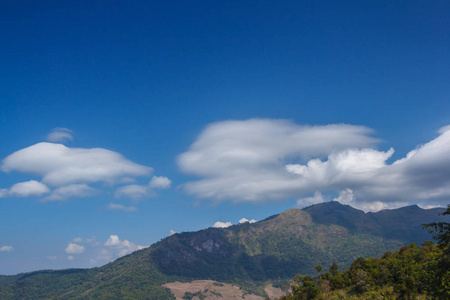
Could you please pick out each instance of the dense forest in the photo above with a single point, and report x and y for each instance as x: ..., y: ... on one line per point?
x: 412, y: 272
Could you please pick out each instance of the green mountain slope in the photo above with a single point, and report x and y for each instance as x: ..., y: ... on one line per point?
x: 274, y: 249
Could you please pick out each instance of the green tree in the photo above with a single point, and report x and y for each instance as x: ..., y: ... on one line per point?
x: 439, y: 271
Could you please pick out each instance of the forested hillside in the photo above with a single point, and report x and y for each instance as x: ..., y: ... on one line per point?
x: 247, y: 255
x: 411, y: 272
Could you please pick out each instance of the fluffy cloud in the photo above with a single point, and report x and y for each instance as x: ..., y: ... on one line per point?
x: 160, y: 182
x: 222, y: 224
x: 122, y: 247
x: 71, y: 171
x: 260, y: 160
x: 172, y: 232
x: 59, y: 165
x: 317, y: 198
x: 113, y: 206
x: 28, y: 188
x: 60, y: 134
x: 244, y: 220
x: 73, y: 248
x: 6, y: 248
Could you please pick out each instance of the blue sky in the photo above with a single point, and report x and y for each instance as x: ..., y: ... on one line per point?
x: 121, y: 122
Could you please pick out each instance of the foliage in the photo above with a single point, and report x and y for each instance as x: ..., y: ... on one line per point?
x: 412, y: 272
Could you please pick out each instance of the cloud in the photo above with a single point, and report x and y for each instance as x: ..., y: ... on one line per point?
x: 60, y: 165
x: 113, y: 206
x: 160, y: 182
x: 244, y: 220
x: 70, y: 257
x: 73, y: 248
x: 134, y: 191
x: 6, y: 248
x: 121, y: 247
x: 28, y: 188
x: 222, y: 224
x: 262, y: 160
x: 3, y: 192
x: 71, y: 190
x: 113, y: 241
x: 307, y: 201
x: 172, y: 232
x: 52, y: 257
x: 77, y: 240
x: 60, y: 134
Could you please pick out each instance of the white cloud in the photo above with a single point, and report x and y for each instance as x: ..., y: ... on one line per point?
x: 134, y: 191
x: 60, y: 165
x: 113, y: 206
x: 345, y: 196
x: 307, y: 201
x: 73, y: 248
x: 28, y: 188
x: 6, y: 248
x: 77, y: 240
x: 260, y: 160
x: 71, y: 190
x: 172, y: 232
x: 244, y: 160
x: 160, y: 182
x: 70, y: 257
x: 244, y: 220
x: 60, y: 134
x: 222, y: 224
x: 121, y: 247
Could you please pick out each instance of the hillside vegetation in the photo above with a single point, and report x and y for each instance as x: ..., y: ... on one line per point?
x: 409, y: 273
x: 248, y: 255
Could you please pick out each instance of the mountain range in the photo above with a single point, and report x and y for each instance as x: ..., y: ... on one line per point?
x: 247, y: 255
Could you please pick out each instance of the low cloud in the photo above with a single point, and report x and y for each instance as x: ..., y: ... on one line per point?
x: 73, y: 248
x: 6, y: 248
x: 222, y: 224
x: 172, y: 232
x: 120, y: 247
x: 262, y: 160
x: 60, y: 135
x: 244, y: 220
x: 113, y: 206
x: 307, y: 201
x: 28, y: 188
x: 160, y: 182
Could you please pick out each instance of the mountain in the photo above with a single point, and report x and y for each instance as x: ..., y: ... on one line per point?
x: 248, y: 255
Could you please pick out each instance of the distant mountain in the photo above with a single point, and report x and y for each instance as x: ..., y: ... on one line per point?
x: 248, y: 255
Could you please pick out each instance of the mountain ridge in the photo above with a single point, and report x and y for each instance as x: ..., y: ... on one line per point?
x: 272, y: 250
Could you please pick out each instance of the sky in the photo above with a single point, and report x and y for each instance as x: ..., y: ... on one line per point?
x: 123, y: 122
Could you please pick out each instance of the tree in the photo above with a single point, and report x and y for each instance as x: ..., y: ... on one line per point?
x: 440, y: 271
x: 440, y: 230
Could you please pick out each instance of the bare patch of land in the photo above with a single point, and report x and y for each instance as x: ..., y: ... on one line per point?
x: 273, y: 292
x: 208, y: 289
